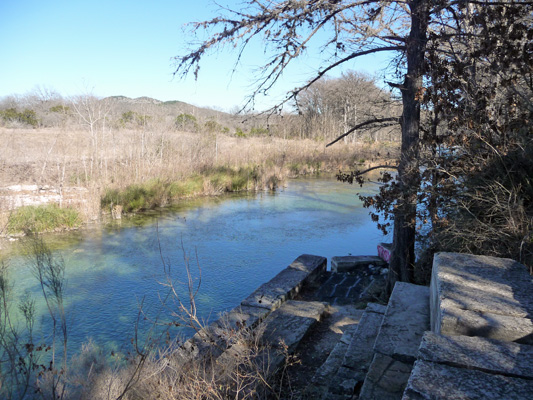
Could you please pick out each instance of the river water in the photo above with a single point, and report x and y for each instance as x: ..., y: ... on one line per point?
x: 239, y: 242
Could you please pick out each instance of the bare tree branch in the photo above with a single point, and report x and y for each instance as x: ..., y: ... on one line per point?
x: 369, y: 122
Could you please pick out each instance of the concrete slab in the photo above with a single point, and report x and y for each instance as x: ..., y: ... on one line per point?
x: 288, y: 324
x: 481, y: 296
x: 243, y: 317
x: 313, y: 265
x: 386, y: 379
x: 282, y: 287
x: 325, y: 375
x: 287, y: 283
x: 505, y: 358
x: 359, y: 353
x: 404, y: 323
x: 438, y: 381
x: 354, y: 263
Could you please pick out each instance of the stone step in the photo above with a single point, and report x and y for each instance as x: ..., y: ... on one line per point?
x: 354, y: 263
x: 471, y: 367
x: 317, y: 345
x: 348, y: 363
x: 481, y: 296
x: 278, y: 335
x: 487, y: 355
x: 440, y: 381
x: 356, y: 362
x: 396, y: 347
x: 324, y: 375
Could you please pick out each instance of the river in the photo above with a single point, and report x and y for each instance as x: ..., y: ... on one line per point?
x: 238, y: 241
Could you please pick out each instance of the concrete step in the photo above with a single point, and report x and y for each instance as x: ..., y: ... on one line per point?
x: 348, y: 362
x: 355, y: 263
x: 321, y: 343
x: 396, y: 347
x: 358, y: 356
x: 325, y: 374
x: 471, y: 367
x: 278, y: 336
x: 481, y: 296
x: 211, y: 341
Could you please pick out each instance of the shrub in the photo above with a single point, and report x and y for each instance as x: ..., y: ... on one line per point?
x: 186, y: 122
x: 44, y: 218
x: 28, y: 117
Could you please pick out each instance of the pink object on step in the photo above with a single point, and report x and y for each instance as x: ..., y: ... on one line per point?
x: 384, y: 252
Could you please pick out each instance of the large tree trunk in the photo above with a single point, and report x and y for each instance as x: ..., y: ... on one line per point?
x: 403, y: 253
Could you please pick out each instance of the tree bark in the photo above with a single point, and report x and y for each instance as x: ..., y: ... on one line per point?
x: 403, y: 252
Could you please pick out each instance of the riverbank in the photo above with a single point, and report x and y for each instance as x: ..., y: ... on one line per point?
x: 131, y: 173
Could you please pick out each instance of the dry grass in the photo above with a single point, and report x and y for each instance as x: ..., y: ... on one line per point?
x: 118, y: 158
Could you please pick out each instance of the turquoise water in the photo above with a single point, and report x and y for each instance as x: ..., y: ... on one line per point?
x: 239, y: 242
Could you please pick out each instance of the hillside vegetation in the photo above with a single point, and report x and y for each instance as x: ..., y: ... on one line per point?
x: 136, y: 154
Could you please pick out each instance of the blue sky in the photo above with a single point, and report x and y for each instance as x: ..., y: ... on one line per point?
x: 118, y: 47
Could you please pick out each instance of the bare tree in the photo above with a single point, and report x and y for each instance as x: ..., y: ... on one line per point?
x: 92, y: 112
x: 331, y: 105
x: 354, y: 29
x: 349, y: 30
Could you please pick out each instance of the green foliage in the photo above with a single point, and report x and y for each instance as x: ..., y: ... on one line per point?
x: 60, y: 109
x: 9, y: 115
x: 45, y: 218
x: 239, y: 133
x: 28, y: 117
x: 158, y: 193
x: 186, y: 122
x: 213, y: 126
x: 128, y: 116
x: 151, y: 194
x: 134, y: 118
x: 259, y: 132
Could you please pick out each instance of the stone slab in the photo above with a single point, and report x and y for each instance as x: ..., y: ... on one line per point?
x: 287, y: 283
x: 386, y: 379
x: 359, y: 352
x: 353, y: 263
x: 243, y: 317
x: 438, y: 381
x: 404, y: 323
x: 505, y: 358
x: 278, y: 335
x: 325, y: 373
x: 282, y: 287
x: 487, y: 292
x: 288, y: 324
x: 500, y: 327
x: 313, y: 265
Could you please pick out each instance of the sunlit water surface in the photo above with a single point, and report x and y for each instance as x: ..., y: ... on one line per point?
x: 240, y: 243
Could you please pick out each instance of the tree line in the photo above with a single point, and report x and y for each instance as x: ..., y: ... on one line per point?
x: 317, y: 113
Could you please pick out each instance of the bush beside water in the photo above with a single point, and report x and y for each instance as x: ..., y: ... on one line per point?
x: 157, y: 193
x: 44, y: 218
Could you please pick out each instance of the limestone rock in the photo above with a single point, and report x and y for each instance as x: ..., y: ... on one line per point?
x: 386, y: 379
x: 481, y: 296
x: 505, y: 358
x: 354, y: 263
x: 404, y: 323
x: 437, y: 381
